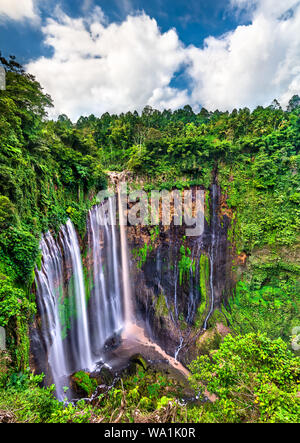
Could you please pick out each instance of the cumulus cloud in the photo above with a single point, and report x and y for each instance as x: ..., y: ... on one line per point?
x: 99, y: 66
x: 252, y: 64
x: 18, y: 10
x: 273, y: 8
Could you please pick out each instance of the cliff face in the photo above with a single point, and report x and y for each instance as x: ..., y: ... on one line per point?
x: 180, y: 282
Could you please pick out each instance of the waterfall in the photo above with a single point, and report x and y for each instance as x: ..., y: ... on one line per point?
x: 81, y: 338
x: 106, y: 307
x: 132, y: 330
x: 176, y: 276
x: 86, y: 300
x: 78, y: 317
x: 213, y: 250
x: 125, y: 263
x: 178, y: 349
x: 49, y: 282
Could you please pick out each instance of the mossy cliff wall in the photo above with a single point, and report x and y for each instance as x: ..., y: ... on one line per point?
x: 171, y: 278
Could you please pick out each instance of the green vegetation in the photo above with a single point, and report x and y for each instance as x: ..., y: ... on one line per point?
x: 252, y: 378
x: 273, y: 310
x: 85, y: 382
x: 141, y: 254
x: 23, y: 401
x: 51, y: 171
x: 185, y: 264
x: 161, y: 308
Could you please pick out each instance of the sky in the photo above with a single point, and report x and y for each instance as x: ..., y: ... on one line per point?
x: 96, y: 56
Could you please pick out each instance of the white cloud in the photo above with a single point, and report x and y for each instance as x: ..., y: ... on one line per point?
x: 117, y: 67
x: 269, y: 8
x: 86, y: 5
x: 126, y: 6
x: 18, y: 10
x: 253, y: 64
x: 98, y: 67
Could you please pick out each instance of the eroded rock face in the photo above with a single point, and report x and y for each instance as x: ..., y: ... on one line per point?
x: 38, y: 356
x: 178, y: 283
x: 172, y: 298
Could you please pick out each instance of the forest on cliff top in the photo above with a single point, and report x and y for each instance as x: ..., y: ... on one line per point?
x: 52, y: 170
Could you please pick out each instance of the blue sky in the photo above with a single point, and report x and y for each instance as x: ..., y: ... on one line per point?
x: 119, y: 55
x: 194, y: 21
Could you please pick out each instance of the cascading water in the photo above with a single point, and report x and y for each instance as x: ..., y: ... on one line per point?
x: 80, y: 311
x: 178, y: 349
x: 125, y: 263
x: 176, y: 277
x: 132, y: 331
x: 49, y: 282
x: 106, y: 306
x: 75, y: 327
x: 213, y: 250
x: 80, y: 328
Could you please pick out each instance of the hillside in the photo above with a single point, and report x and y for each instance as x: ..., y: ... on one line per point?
x: 51, y: 171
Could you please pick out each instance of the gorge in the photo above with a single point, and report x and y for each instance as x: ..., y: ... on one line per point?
x: 87, y: 298
x: 141, y: 322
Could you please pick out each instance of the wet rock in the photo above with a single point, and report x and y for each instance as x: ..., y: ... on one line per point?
x: 166, y: 299
x: 113, y: 342
x: 106, y: 376
x: 137, y: 360
x: 210, y: 340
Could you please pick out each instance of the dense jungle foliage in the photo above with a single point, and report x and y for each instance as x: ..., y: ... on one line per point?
x: 253, y: 379
x: 52, y: 170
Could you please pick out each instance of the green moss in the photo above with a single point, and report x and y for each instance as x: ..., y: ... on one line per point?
x: 182, y: 322
x: 161, y: 308
x: 66, y: 312
x: 217, y: 317
x: 207, y: 206
x: 185, y: 264
x: 22, y: 349
x: 141, y: 254
x: 209, y: 342
x: 85, y: 382
x: 271, y: 309
x: 88, y: 283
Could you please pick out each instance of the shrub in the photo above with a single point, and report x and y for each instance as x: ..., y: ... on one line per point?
x: 7, y: 215
x: 254, y: 379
